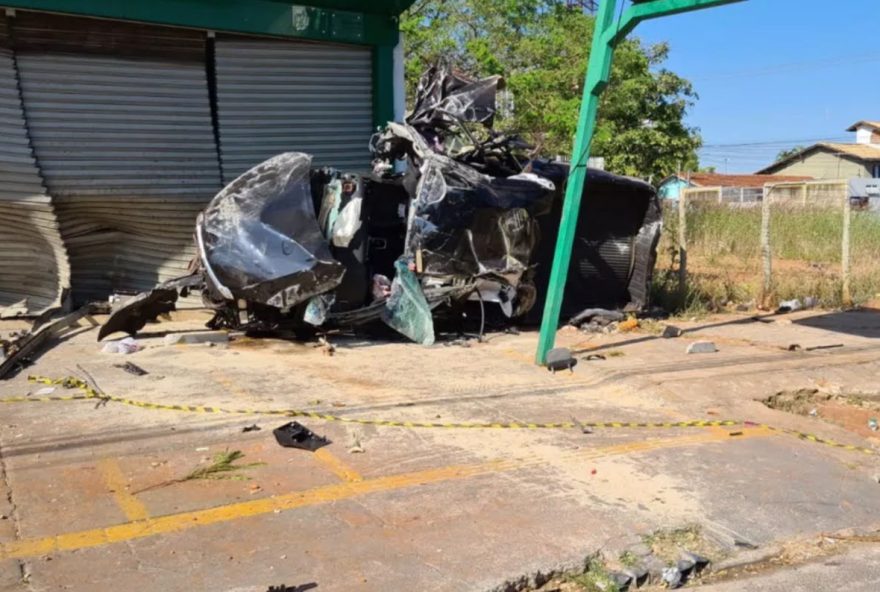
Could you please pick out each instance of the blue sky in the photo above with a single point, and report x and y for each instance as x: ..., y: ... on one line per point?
x: 773, y: 72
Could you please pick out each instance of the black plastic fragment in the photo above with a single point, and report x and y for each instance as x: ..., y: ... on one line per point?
x: 296, y: 435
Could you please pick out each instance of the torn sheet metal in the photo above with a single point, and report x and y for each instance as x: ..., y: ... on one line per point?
x: 261, y: 237
x: 467, y: 224
x: 445, y: 96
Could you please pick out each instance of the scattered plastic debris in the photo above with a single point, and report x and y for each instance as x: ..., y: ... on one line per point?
x: 872, y: 424
x: 44, y: 392
x: 296, y: 435
x: 126, y: 345
x: 789, y: 306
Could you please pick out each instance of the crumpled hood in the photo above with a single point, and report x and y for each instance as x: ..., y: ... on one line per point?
x: 259, y: 239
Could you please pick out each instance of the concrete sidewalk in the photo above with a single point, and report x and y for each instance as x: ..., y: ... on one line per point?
x: 95, y: 499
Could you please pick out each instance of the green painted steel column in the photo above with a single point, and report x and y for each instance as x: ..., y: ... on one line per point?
x: 601, y: 55
x: 383, y: 84
x: 607, y: 33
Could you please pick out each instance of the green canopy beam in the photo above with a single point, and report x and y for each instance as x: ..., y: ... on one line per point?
x: 608, y: 32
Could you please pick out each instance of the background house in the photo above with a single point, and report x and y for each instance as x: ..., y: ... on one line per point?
x: 745, y: 187
x: 827, y: 160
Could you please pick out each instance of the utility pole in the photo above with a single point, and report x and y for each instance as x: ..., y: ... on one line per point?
x: 610, y: 29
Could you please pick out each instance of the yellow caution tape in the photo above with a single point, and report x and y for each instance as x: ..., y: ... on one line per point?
x: 90, y: 393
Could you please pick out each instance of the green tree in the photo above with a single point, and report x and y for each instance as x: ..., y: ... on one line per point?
x: 783, y: 154
x: 541, y: 47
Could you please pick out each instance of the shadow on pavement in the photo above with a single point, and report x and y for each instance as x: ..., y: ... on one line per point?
x: 863, y: 323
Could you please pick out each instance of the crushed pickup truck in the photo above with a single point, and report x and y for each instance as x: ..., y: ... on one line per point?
x: 453, y: 212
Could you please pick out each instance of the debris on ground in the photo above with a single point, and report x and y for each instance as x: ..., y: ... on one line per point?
x: 671, y: 331
x: 327, y: 348
x: 296, y: 435
x: 126, y: 345
x: 702, y: 347
x: 251, y: 428
x: 222, y: 467
x: 789, y: 306
x: 356, y: 446
x: 630, y: 324
x: 131, y: 368
x: 16, y: 352
x: 560, y: 358
x: 597, y: 320
x: 821, y: 347
x: 466, y: 233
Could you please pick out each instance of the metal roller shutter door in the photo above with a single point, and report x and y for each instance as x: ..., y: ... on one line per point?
x: 33, y: 262
x: 278, y: 96
x: 121, y: 124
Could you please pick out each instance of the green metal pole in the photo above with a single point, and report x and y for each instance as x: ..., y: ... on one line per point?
x: 607, y: 33
x: 601, y: 55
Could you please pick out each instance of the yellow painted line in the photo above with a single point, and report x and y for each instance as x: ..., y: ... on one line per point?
x: 337, y: 466
x: 186, y: 520
x: 116, y: 483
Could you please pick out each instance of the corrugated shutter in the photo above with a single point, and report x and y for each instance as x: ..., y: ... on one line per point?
x: 33, y: 262
x: 123, y: 133
x: 278, y: 96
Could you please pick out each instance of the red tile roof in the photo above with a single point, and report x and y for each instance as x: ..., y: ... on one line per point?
x: 719, y: 180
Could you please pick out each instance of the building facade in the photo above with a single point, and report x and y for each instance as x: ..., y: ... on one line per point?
x: 119, y: 121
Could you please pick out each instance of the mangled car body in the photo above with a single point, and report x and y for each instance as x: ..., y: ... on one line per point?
x: 451, y: 213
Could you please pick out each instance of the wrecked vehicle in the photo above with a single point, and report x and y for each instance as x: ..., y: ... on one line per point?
x: 453, y: 213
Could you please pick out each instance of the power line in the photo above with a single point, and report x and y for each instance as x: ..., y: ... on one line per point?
x: 774, y: 142
x: 791, y: 67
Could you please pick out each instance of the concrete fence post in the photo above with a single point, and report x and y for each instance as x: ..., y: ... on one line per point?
x: 766, y: 253
x: 846, y: 295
